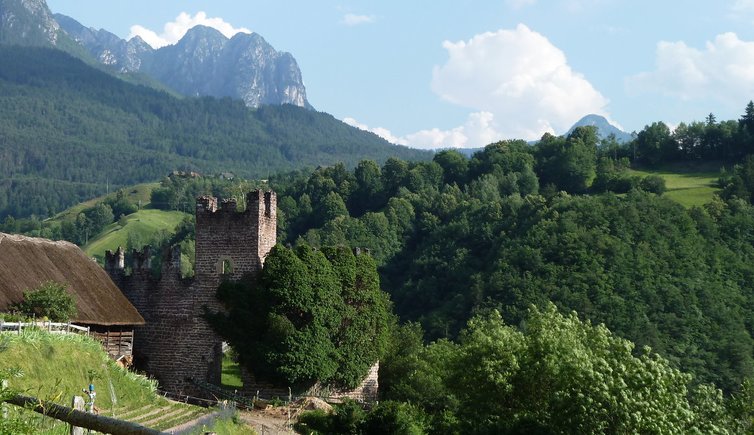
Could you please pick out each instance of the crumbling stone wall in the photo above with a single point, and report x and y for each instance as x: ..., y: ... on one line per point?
x: 176, y: 343
x: 366, y: 391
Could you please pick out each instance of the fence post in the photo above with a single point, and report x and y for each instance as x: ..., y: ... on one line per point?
x: 78, y: 404
x: 3, y: 406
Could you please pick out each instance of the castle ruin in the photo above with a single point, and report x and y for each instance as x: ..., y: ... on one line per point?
x: 177, y: 344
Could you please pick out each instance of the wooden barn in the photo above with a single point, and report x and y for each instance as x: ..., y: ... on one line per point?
x: 27, y: 262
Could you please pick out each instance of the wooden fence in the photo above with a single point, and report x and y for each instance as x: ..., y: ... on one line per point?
x: 52, y: 327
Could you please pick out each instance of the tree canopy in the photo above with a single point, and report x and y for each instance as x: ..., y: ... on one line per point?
x: 312, y: 315
x: 554, y: 374
x: 50, y: 300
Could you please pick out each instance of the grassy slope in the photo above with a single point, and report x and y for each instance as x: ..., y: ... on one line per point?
x: 144, y: 223
x: 138, y: 194
x: 690, y: 185
x: 57, y: 367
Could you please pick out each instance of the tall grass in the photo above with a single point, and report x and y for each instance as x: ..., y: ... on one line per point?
x: 58, y: 366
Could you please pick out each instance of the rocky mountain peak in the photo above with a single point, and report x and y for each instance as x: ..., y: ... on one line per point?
x: 27, y: 22
x: 199, y: 33
x: 202, y: 62
x: 604, y: 127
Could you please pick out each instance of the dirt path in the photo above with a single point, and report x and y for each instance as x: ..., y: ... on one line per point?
x: 265, y: 423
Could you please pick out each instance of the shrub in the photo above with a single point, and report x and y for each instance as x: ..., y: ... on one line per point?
x: 653, y: 183
x: 49, y: 300
x: 395, y: 418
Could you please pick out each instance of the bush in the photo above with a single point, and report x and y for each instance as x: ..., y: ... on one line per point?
x: 395, y: 418
x: 391, y: 418
x: 12, y: 317
x: 653, y: 184
x: 49, y: 300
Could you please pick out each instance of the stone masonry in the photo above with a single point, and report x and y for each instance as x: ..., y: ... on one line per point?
x: 177, y: 344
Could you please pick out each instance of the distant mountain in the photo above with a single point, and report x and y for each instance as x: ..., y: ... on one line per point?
x: 68, y: 130
x: 604, y: 128
x: 105, y: 47
x: 203, y: 62
x: 27, y: 22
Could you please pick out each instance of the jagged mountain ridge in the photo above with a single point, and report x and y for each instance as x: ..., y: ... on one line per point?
x: 107, y: 48
x: 27, y: 22
x: 203, y: 63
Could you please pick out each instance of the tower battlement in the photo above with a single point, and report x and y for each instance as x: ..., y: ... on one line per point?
x: 115, y: 262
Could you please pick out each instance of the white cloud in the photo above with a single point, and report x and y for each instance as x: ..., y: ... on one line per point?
x: 478, y: 130
x: 379, y: 131
x: 355, y: 20
x: 723, y: 70
x: 173, y: 31
x: 517, y: 82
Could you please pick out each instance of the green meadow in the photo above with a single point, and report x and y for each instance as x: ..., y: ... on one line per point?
x: 142, y: 224
x: 689, y: 185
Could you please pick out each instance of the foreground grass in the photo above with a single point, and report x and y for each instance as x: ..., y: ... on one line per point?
x: 60, y: 366
x: 690, y: 184
x: 142, y: 224
x: 57, y: 367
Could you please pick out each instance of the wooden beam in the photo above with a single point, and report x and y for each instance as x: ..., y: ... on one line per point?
x: 99, y: 423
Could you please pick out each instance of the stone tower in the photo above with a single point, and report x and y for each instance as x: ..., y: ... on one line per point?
x: 177, y: 345
x: 232, y: 244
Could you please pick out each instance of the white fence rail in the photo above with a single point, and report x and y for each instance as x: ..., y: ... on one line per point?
x: 53, y: 327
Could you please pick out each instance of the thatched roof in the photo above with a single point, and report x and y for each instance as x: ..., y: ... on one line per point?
x: 26, y: 262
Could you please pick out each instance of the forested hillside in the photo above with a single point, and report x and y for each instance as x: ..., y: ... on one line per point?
x: 455, y: 236
x: 68, y: 131
x: 502, y: 236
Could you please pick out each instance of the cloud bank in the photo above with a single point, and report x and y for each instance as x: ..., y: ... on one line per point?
x: 723, y: 70
x: 475, y: 132
x: 520, y: 78
x: 518, y: 85
x: 173, y: 31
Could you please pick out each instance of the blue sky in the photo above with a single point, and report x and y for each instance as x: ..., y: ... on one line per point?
x: 468, y: 72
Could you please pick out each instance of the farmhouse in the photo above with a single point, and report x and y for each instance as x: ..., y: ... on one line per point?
x: 27, y: 262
